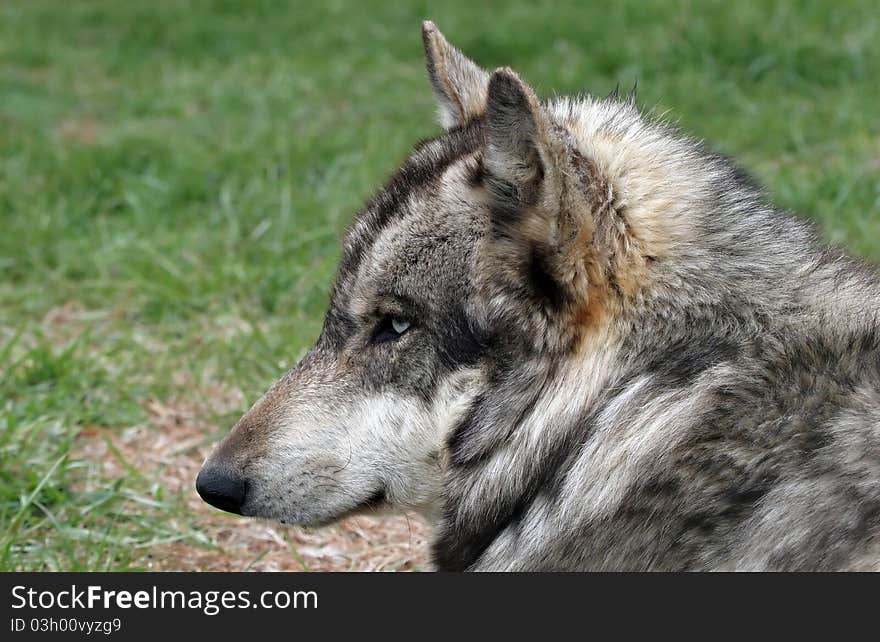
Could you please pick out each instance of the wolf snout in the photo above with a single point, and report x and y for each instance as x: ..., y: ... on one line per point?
x: 222, y: 488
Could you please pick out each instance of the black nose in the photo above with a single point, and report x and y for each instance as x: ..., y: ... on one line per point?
x: 221, y: 489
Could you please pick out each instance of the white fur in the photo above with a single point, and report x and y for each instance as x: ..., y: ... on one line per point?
x: 322, y: 462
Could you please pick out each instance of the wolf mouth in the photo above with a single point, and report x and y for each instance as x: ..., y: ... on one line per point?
x: 375, y: 500
x: 373, y: 503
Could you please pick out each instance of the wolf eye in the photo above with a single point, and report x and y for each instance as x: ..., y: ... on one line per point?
x: 390, y: 329
x: 399, y: 325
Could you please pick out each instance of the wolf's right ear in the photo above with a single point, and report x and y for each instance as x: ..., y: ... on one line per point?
x: 459, y: 84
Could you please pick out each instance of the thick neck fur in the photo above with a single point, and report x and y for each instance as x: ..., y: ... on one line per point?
x: 706, y: 264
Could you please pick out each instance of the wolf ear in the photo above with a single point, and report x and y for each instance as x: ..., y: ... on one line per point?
x: 459, y: 84
x: 551, y: 223
x: 519, y: 147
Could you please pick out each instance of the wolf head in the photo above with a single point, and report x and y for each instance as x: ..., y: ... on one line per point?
x: 498, y: 243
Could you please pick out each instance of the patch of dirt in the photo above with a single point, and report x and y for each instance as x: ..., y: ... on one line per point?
x: 170, y: 449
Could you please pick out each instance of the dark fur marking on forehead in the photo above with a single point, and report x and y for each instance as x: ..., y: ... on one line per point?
x: 421, y: 170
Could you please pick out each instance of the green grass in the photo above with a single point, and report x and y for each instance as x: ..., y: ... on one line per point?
x: 180, y: 171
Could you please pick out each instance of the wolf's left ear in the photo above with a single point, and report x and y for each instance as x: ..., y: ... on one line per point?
x: 459, y: 84
x: 547, y: 203
x: 530, y: 168
x: 519, y: 146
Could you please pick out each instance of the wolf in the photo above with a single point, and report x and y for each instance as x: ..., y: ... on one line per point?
x: 575, y: 338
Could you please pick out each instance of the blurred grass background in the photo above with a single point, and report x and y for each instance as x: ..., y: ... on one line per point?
x: 174, y: 177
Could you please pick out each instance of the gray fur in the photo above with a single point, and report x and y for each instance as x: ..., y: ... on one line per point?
x: 621, y: 355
